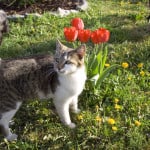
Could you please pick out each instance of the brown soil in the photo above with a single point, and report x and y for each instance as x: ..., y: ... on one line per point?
x: 40, y: 7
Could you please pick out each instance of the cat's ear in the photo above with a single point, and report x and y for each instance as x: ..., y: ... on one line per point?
x: 81, y: 51
x: 59, y: 49
x: 59, y: 45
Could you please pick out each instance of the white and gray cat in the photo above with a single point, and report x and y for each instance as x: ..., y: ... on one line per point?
x: 61, y: 78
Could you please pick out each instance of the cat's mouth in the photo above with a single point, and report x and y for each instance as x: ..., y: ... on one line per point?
x: 62, y: 71
x: 68, y: 69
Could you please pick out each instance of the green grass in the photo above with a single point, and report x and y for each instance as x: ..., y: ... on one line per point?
x: 37, y: 125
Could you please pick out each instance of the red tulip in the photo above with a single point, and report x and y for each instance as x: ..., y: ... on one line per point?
x: 100, y: 36
x: 71, y: 33
x: 84, y: 35
x: 105, y: 34
x: 78, y: 23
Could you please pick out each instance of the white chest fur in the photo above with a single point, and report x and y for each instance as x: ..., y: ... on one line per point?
x: 73, y: 83
x: 70, y: 85
x: 66, y: 95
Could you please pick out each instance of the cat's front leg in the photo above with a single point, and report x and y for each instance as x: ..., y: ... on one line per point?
x: 74, y: 105
x: 63, y: 112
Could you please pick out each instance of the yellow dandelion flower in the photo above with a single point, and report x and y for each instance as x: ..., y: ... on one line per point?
x: 146, y: 104
x: 137, y: 123
x: 33, y: 29
x: 80, y: 117
x: 98, y: 119
x: 125, y: 65
x: 117, y: 107
x: 140, y: 65
x: 107, y: 65
x: 122, y: 3
x: 114, y: 128
x: 116, y: 100
x: 111, y: 121
x: 142, y: 73
x: 129, y: 78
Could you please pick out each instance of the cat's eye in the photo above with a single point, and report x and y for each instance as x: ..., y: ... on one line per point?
x: 57, y: 60
x: 68, y: 62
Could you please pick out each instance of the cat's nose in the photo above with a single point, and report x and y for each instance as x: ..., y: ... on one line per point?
x: 60, y: 67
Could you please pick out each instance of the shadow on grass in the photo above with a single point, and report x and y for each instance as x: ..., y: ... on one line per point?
x: 124, y: 28
x: 24, y: 49
x: 132, y: 34
x: 118, y: 20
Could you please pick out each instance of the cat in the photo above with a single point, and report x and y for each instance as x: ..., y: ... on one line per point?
x: 60, y: 77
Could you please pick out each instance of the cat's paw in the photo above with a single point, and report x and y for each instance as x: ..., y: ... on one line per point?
x: 12, y: 137
x: 72, y: 125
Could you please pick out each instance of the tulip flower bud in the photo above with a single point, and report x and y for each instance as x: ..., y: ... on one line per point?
x: 77, y: 23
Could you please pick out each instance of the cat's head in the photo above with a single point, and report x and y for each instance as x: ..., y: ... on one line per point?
x: 68, y: 60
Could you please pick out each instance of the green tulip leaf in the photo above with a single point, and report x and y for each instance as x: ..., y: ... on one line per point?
x: 105, y: 74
